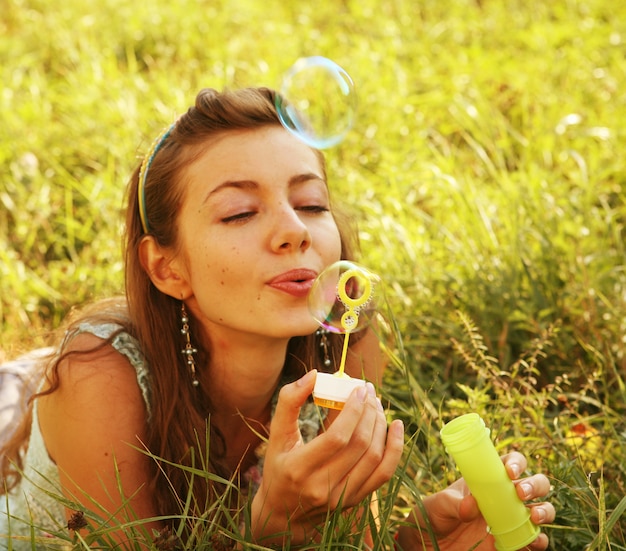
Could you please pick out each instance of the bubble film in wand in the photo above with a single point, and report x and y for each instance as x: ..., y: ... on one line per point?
x: 341, y: 301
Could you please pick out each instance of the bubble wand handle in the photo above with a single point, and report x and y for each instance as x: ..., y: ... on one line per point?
x: 467, y: 440
x: 344, y: 355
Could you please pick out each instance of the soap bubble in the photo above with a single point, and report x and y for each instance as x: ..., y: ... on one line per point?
x: 317, y: 101
x: 342, y: 297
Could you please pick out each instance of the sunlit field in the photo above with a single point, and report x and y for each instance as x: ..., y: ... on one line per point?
x: 485, y: 174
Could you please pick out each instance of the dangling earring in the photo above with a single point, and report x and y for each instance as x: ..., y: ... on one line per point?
x: 322, y: 334
x: 189, y: 350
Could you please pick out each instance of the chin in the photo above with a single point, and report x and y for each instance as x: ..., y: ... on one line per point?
x: 303, y: 329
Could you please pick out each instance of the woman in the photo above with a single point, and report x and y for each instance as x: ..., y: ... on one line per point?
x: 229, y: 222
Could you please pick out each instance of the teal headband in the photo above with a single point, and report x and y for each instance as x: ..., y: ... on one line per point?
x: 143, y: 174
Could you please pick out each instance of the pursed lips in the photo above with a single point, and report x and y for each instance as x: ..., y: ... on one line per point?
x: 294, y: 282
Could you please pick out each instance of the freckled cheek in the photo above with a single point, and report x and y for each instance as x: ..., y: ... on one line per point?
x: 229, y: 275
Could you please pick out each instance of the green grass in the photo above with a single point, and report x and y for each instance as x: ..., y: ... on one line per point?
x: 486, y: 169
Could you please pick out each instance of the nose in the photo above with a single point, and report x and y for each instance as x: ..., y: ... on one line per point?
x: 290, y: 233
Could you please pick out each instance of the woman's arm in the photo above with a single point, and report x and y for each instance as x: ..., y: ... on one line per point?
x: 89, y: 425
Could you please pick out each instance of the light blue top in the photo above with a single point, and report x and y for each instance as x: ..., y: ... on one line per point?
x: 32, y: 511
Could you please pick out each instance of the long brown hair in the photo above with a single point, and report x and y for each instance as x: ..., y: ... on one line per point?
x: 179, y: 411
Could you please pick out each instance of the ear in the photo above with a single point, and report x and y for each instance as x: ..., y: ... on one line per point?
x: 164, y: 269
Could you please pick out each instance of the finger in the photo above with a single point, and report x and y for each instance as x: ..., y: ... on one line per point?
x: 367, y: 439
x: 338, y: 436
x: 317, y: 467
x: 386, y: 466
x: 368, y: 460
x: 542, y: 513
x: 540, y: 544
x: 315, y: 459
x: 515, y: 464
x: 284, y: 429
x: 532, y: 487
x: 370, y: 439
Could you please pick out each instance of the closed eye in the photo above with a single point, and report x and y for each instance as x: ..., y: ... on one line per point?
x: 313, y: 208
x: 247, y: 215
x: 239, y: 217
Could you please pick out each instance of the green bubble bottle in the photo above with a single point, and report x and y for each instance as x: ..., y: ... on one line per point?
x: 466, y: 439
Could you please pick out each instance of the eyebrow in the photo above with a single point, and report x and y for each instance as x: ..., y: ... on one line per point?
x: 253, y: 184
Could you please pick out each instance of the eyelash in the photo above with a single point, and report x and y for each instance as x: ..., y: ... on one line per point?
x: 237, y: 217
x: 243, y: 216
x: 314, y: 208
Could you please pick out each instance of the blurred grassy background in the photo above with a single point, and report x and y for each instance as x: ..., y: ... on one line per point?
x: 486, y: 170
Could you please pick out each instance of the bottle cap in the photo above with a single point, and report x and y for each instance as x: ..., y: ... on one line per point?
x: 332, y: 390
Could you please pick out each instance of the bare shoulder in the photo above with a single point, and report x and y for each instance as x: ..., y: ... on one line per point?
x: 93, y: 375
x: 91, y: 362
x: 98, y: 402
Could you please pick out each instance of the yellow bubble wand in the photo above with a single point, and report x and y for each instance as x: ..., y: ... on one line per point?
x: 350, y: 318
x: 339, y: 298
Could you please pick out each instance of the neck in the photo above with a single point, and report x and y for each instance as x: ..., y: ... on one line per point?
x: 243, y: 379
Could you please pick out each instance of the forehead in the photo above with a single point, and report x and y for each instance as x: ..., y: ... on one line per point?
x: 265, y: 150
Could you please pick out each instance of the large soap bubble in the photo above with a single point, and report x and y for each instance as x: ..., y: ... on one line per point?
x: 317, y: 101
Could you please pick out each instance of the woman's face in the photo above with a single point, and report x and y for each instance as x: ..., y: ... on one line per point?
x: 255, y: 230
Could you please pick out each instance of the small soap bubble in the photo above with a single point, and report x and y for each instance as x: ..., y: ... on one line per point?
x: 342, y: 297
x: 317, y: 101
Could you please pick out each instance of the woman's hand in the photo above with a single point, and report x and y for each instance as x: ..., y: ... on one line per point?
x: 457, y: 523
x: 339, y: 468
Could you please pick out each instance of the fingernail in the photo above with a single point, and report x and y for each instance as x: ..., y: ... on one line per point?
x: 515, y: 470
x: 379, y: 405
x: 362, y: 393
x: 398, y: 428
x: 305, y: 379
x: 370, y: 389
x: 527, y: 489
x: 540, y: 514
